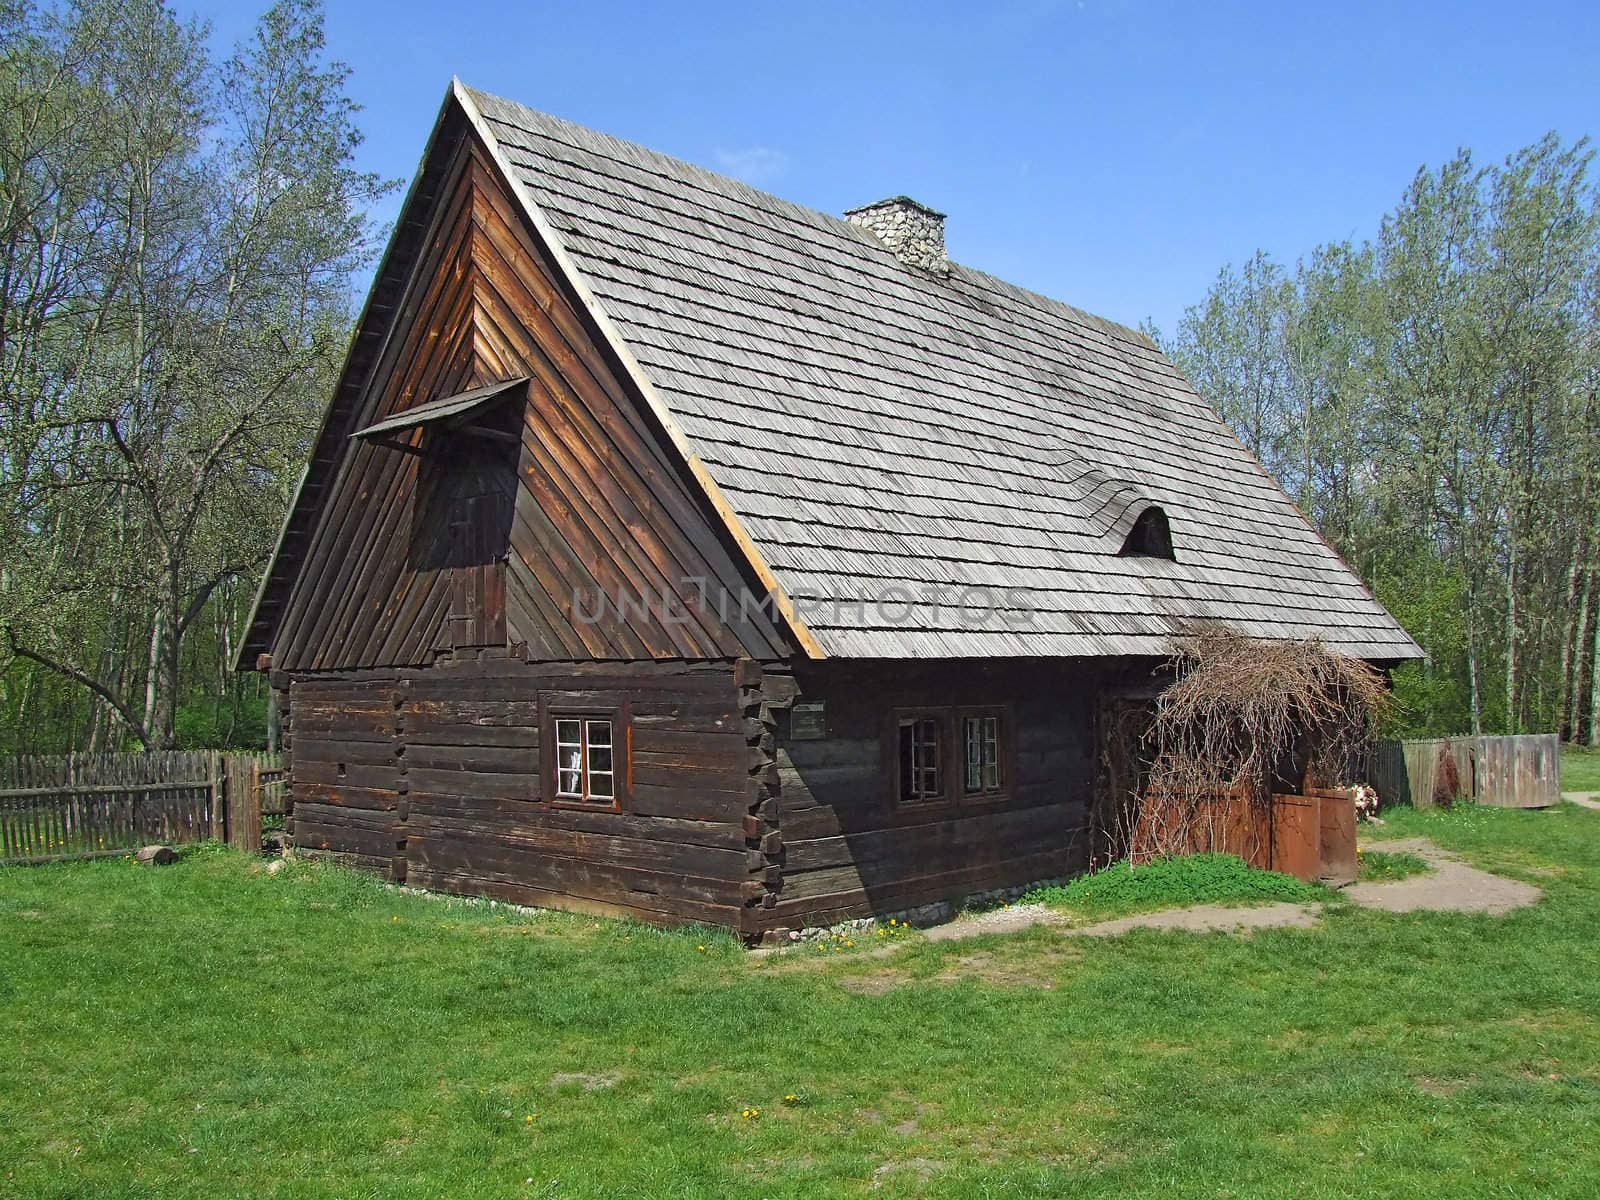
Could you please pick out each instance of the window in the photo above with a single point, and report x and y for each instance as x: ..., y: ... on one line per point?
x: 588, y: 758
x: 949, y: 755
x: 981, y: 736
x: 921, y: 759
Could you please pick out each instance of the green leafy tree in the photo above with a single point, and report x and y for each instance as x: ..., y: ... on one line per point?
x: 180, y: 237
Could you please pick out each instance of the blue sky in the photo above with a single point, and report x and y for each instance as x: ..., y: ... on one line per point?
x: 1111, y: 154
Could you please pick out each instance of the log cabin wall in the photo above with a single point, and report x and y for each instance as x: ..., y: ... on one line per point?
x: 439, y: 778
x: 851, y: 848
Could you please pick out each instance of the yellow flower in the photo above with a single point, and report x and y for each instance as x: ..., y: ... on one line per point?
x: 529, y: 1118
x: 702, y: 949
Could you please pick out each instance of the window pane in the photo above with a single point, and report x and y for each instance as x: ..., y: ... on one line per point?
x: 567, y: 782
x: 567, y: 732
x: 567, y: 757
x: 991, y: 776
x: 921, y: 757
x: 601, y: 784
x: 908, y: 782
x: 930, y: 758
x: 599, y: 758
x: 599, y: 733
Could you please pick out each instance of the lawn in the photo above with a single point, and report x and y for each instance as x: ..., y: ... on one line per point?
x: 209, y: 1030
x: 1580, y: 769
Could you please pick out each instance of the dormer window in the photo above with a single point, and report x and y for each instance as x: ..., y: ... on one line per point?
x: 1150, y: 537
x: 462, y: 507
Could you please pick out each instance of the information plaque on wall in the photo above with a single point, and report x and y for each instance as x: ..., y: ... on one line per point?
x: 808, y: 723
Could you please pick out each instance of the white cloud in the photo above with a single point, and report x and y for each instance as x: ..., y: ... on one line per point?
x: 756, y: 164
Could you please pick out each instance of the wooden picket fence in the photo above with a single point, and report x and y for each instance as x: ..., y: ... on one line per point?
x: 1507, y: 772
x: 89, y: 805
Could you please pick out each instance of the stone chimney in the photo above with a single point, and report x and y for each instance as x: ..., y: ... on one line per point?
x: 913, y: 232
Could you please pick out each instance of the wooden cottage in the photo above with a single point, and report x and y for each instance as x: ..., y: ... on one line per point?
x: 673, y: 550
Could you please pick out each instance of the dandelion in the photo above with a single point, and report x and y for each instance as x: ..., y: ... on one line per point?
x: 529, y: 1118
x: 702, y: 949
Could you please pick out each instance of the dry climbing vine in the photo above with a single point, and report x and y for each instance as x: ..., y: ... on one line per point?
x: 1243, y: 718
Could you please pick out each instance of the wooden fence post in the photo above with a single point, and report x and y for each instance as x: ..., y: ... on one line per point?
x: 219, y: 824
x: 244, y: 802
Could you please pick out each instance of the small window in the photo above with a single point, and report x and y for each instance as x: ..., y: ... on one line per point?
x: 921, y: 759
x: 586, y: 761
x: 1150, y: 537
x: 948, y: 755
x: 981, y: 737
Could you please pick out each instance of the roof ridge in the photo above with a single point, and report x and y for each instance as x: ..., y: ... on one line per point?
x: 837, y: 221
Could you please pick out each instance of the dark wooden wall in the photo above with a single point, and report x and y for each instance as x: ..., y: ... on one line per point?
x: 435, y: 777
x: 849, y: 849
x: 603, y: 507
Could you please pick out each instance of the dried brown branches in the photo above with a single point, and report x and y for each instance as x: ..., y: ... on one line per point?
x: 1243, y: 719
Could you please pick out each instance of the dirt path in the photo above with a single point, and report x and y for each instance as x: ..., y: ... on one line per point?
x: 1452, y: 887
x: 1583, y: 799
x: 1210, y: 918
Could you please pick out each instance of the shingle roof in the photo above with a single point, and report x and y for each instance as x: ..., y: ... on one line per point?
x: 879, y: 431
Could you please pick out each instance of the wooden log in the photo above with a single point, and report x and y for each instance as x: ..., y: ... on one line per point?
x: 156, y: 856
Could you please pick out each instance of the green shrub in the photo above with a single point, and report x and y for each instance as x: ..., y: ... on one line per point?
x: 1169, y: 882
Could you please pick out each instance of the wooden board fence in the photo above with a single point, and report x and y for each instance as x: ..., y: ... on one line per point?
x: 85, y: 806
x: 1505, y: 772
x: 1519, y: 772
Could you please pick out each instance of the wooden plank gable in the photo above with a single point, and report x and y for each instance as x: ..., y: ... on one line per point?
x: 608, y: 552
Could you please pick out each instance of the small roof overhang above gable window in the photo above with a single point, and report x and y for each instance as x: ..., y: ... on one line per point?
x: 451, y: 412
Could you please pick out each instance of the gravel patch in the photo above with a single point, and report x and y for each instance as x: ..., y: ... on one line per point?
x: 1210, y: 918
x: 996, y: 920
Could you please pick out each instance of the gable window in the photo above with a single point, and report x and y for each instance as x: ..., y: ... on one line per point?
x: 588, y: 756
x: 984, y: 774
x: 922, y: 749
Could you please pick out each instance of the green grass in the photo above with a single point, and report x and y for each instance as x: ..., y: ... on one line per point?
x: 1580, y: 769
x: 1384, y: 866
x: 207, y: 1030
x: 1171, y: 882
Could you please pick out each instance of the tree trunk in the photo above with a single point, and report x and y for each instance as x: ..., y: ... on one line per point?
x: 1472, y: 666
x: 1573, y: 684
x: 152, y: 673
x: 1513, y: 724
x: 1594, y: 688
x: 1570, y: 629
